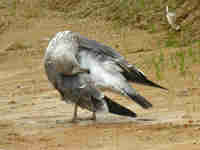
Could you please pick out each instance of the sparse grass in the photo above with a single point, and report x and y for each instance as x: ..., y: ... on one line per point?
x: 181, y: 60
x: 161, y: 58
x: 18, y: 46
x: 159, y: 64
x: 152, y: 28
x: 173, y: 61
x: 18, y: 13
x: 31, y: 9
x: 143, y: 14
x: 157, y: 68
x: 192, y: 54
x: 23, y: 8
x: 171, y: 40
x: 171, y: 43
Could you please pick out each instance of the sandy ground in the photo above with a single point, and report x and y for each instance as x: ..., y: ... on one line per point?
x: 33, y: 117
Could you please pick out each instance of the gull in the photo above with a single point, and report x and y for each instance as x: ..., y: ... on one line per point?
x: 171, y: 18
x: 82, y: 69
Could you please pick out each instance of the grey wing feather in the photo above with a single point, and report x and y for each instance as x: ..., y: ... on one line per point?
x: 98, y: 47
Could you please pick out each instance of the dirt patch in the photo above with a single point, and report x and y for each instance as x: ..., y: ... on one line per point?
x: 34, y: 117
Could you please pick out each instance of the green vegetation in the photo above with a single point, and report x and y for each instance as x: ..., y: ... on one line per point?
x: 173, y: 61
x: 181, y: 60
x: 143, y: 14
x: 171, y: 43
x: 157, y: 65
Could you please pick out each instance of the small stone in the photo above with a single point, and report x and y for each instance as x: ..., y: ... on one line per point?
x: 12, y: 102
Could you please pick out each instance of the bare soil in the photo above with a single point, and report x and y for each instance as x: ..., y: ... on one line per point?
x: 33, y: 117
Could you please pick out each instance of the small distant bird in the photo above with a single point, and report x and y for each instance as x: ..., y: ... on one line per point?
x: 81, y: 69
x: 171, y: 18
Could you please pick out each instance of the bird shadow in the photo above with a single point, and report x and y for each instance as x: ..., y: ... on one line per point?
x: 105, y: 121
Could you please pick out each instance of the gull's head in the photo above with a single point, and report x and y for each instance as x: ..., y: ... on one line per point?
x: 65, y: 37
x: 62, y: 38
x: 63, y: 34
x: 67, y: 31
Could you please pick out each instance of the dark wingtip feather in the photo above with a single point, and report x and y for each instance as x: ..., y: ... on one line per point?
x: 118, y: 109
x: 140, y: 100
x: 150, y: 83
x: 136, y: 76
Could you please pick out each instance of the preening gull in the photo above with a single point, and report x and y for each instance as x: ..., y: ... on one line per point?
x: 81, y: 69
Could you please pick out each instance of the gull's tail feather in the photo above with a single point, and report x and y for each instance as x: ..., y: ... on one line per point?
x: 118, y: 109
x: 134, y: 75
x: 140, y: 100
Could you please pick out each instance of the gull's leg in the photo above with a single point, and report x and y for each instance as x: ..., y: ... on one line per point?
x: 75, y: 113
x: 94, y: 116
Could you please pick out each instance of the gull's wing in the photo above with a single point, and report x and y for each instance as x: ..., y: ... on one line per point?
x: 135, y: 75
x: 129, y: 71
x: 98, y: 48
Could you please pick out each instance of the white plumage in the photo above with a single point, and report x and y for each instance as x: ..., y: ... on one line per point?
x: 171, y: 18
